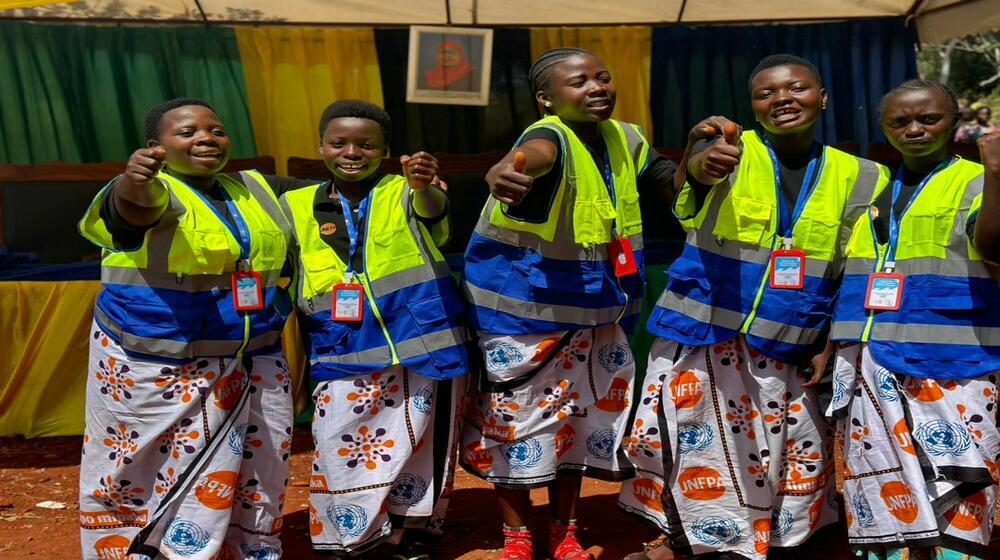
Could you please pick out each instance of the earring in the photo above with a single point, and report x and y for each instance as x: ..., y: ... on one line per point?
x: 548, y: 103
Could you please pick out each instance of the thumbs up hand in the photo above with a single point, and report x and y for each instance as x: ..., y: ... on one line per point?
x: 718, y: 160
x: 508, y: 182
x: 143, y: 165
x: 420, y: 170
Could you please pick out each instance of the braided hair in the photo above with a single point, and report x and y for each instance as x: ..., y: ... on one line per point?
x: 923, y: 85
x: 543, y: 68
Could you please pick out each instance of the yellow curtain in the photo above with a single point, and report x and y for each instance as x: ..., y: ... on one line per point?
x: 11, y: 4
x: 43, y: 365
x: 625, y: 51
x: 292, y: 74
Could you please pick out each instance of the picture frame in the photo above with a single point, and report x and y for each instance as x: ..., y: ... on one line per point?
x: 449, y: 65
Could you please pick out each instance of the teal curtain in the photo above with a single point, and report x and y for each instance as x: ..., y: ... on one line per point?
x: 80, y: 93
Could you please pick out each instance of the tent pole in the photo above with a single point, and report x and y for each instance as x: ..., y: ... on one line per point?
x: 204, y: 16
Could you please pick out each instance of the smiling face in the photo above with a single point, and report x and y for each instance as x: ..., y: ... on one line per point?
x: 983, y: 115
x: 786, y: 99
x: 195, y: 141
x: 580, y: 90
x: 353, y: 148
x: 918, y: 122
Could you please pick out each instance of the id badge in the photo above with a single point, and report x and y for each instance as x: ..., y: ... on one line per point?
x: 348, y: 302
x: 622, y: 257
x: 788, y: 269
x: 885, y: 291
x: 247, y: 292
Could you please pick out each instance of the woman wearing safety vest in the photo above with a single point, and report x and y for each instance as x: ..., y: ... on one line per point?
x: 733, y: 455
x: 385, y: 324
x: 188, y: 413
x: 915, y: 382
x: 554, y: 270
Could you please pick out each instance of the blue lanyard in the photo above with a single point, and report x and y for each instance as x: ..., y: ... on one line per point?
x: 897, y: 187
x: 241, y: 232
x: 352, y: 228
x: 787, y: 222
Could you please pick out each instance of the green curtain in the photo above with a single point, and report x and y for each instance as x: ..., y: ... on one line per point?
x: 80, y: 93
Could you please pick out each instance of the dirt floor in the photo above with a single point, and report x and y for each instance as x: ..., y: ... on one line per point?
x: 39, y: 470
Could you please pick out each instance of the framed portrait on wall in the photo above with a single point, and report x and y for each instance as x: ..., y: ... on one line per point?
x: 449, y: 65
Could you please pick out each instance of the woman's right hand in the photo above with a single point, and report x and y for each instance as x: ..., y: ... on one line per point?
x: 507, y: 180
x: 143, y: 165
x: 716, y: 162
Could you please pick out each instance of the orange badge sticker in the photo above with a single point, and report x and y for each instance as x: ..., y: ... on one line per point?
x: 617, y: 398
x: 900, y: 501
x: 647, y: 492
x: 701, y: 483
x: 686, y: 390
x: 217, y: 489
x: 328, y: 228
x: 968, y: 514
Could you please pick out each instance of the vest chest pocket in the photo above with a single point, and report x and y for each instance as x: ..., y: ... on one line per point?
x: 394, y: 241
x: 745, y: 219
x: 200, y: 252
x: 269, y: 251
x: 592, y: 221
x: 819, y: 236
x: 928, y: 227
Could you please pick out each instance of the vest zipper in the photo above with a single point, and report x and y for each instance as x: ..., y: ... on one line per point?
x: 745, y: 328
x: 879, y: 261
x: 370, y: 295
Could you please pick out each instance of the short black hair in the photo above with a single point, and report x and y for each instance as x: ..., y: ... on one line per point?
x: 357, y: 109
x: 544, y: 66
x: 155, y: 115
x: 783, y: 59
x: 923, y: 85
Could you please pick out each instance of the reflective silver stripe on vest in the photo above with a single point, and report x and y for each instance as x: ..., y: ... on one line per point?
x: 185, y: 282
x: 567, y: 250
x: 773, y: 330
x: 847, y: 330
x: 432, y: 342
x: 936, y: 334
x: 379, y: 355
x: 542, y: 311
x: 701, y: 312
x: 858, y: 202
x: 263, y: 195
x: 179, y: 349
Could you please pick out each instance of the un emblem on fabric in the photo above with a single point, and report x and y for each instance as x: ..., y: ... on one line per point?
x: 601, y: 444
x: 423, y: 400
x: 185, y: 537
x: 350, y: 520
x: 522, y: 454
x: 862, y: 510
x: 261, y: 552
x: 781, y: 522
x: 693, y: 437
x: 940, y: 438
x: 614, y: 357
x: 407, y: 490
x: 716, y: 530
x: 501, y: 355
x: 887, y: 389
x: 236, y: 439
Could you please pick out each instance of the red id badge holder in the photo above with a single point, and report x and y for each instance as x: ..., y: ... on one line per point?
x: 247, y: 292
x: 788, y: 269
x: 885, y: 291
x: 348, y: 302
x: 622, y: 257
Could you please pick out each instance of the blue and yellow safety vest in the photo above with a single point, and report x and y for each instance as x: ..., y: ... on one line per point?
x: 525, y: 277
x: 172, y: 297
x: 719, y: 286
x: 948, y: 323
x: 412, y: 315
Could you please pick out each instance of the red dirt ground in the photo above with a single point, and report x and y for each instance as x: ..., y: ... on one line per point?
x: 32, y: 471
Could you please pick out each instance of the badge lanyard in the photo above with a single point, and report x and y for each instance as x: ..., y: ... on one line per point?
x: 897, y: 187
x: 348, y: 298
x: 885, y: 289
x: 620, y: 249
x: 786, y: 221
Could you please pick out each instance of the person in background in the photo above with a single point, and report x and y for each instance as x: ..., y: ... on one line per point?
x: 971, y: 130
x: 388, y: 344
x: 915, y: 383
x: 188, y: 414
x: 734, y: 458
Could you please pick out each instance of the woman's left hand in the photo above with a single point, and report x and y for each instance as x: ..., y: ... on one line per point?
x: 420, y: 170
x: 818, y: 364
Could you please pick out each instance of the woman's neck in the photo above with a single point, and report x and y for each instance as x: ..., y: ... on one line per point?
x: 795, y: 143
x: 589, y: 132
x: 923, y: 165
x: 355, y: 191
x: 198, y: 182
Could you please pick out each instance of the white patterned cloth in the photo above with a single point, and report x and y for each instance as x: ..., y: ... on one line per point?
x: 550, y: 402
x: 921, y: 456
x: 383, y: 459
x: 731, y: 454
x: 184, y: 461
